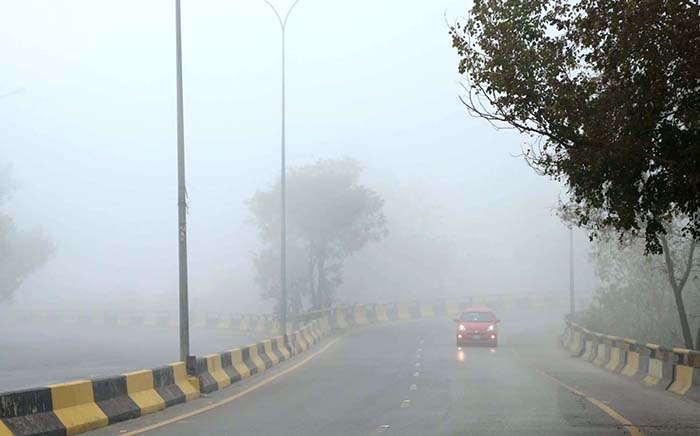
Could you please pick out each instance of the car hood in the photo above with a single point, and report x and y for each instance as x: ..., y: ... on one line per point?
x: 478, y: 327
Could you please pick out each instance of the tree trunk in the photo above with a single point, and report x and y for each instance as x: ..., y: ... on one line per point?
x: 678, y: 286
x: 683, y: 316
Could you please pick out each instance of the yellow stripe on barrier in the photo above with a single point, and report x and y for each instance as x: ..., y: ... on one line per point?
x: 655, y: 372
x: 615, y: 358
x: 361, y: 315
x: 267, y: 346
x: 302, y: 342
x: 600, y: 356
x: 380, y: 311
x: 632, y: 366
x: 74, y: 405
x: 238, y: 365
x: 182, y: 381
x: 255, y: 358
x: 426, y: 310
x: 683, y: 380
x: 139, y: 386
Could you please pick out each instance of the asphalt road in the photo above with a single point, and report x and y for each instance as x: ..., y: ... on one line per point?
x: 37, y: 354
x: 408, y: 378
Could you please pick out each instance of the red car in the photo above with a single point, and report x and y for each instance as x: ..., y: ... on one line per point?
x: 477, y: 325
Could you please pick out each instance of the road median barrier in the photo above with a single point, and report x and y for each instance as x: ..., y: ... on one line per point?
x: 603, y: 350
x: 83, y: 405
x: 685, y: 373
x: 618, y: 354
x: 633, y: 363
x: 675, y: 370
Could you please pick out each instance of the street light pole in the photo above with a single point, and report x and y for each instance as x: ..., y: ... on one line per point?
x: 283, y: 180
x: 181, y: 198
x: 572, y: 301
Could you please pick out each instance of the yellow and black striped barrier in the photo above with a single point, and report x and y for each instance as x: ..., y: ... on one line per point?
x: 83, y: 405
x: 675, y: 370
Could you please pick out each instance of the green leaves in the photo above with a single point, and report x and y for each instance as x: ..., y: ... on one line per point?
x: 610, y: 91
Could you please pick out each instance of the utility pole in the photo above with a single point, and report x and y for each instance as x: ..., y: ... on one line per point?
x: 181, y: 198
x: 572, y: 300
x: 283, y: 180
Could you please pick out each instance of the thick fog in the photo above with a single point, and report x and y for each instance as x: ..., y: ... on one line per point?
x: 89, y: 144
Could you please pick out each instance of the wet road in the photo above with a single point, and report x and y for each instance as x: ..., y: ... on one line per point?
x: 409, y: 378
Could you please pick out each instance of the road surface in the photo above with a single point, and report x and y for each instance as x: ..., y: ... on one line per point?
x: 408, y: 378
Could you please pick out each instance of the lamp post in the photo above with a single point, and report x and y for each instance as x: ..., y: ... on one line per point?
x: 181, y: 198
x: 283, y: 180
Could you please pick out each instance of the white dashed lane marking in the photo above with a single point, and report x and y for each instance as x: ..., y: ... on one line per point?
x: 405, y: 404
x: 416, y: 374
x: 413, y: 387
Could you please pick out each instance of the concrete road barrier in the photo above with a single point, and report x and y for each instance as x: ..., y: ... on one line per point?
x: 675, y: 370
x: 618, y: 354
x: 83, y: 405
x: 685, y: 374
x: 602, y: 352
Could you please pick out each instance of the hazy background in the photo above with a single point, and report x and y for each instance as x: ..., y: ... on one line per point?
x: 91, y: 144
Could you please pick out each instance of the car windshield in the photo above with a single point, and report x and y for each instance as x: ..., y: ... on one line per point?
x: 477, y: 317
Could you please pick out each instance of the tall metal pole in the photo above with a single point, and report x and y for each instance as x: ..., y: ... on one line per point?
x: 572, y: 300
x: 283, y: 218
x: 181, y: 198
x: 283, y: 179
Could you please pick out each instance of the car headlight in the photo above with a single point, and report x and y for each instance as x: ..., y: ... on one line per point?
x: 492, y: 328
x: 462, y: 328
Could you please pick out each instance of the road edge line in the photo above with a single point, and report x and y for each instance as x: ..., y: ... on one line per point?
x: 626, y: 423
x: 231, y: 398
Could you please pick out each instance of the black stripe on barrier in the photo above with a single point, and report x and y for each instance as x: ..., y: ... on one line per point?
x: 371, y: 311
x: 207, y: 383
x: 275, y: 349
x: 245, y: 356
x: 29, y: 412
x: 227, y: 365
x: 164, y: 384
x: 296, y: 346
x: 112, y: 397
x: 289, y: 344
x: 263, y: 355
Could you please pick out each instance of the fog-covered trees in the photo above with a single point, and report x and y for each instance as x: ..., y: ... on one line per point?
x: 610, y: 91
x: 21, y: 252
x: 637, y: 298
x: 330, y: 215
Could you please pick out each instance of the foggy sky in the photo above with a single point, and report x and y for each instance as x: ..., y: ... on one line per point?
x: 91, y: 141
